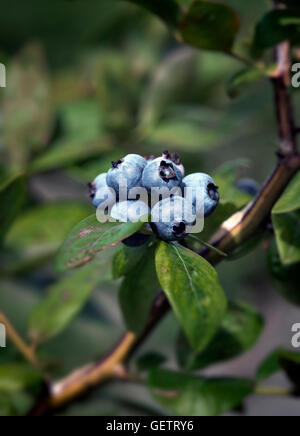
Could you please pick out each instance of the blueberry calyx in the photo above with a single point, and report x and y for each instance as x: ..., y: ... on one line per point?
x: 179, y: 229
x: 212, y: 191
x: 166, y: 171
x: 115, y: 164
x: 150, y: 158
x: 92, y: 189
x: 174, y: 157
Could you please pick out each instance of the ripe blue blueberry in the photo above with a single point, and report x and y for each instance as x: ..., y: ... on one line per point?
x: 161, y: 173
x: 98, y: 190
x: 131, y: 210
x: 210, y: 191
x: 129, y: 169
x: 249, y: 186
x: 171, y: 218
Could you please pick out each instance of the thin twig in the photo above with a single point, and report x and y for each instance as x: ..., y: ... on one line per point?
x: 27, y: 351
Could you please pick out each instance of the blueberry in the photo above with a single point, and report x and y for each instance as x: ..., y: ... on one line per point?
x: 161, y: 173
x: 210, y: 191
x: 169, y: 221
x: 249, y: 186
x: 98, y: 190
x: 131, y: 210
x: 129, y: 169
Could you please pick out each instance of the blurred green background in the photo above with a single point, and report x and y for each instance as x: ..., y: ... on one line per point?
x: 87, y: 82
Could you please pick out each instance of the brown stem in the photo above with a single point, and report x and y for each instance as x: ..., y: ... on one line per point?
x: 232, y: 234
x: 16, y: 339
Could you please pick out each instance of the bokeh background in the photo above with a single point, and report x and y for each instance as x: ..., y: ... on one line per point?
x: 90, y: 81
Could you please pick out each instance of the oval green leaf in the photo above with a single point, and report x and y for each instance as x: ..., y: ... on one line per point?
x: 17, y: 376
x: 210, y: 26
x: 194, y: 292
x: 281, y: 360
x: 191, y: 395
x: 138, y: 291
x: 286, y: 221
x: 66, y: 298
x: 88, y: 238
x: 240, y: 330
x: 277, y: 26
x: 286, y: 277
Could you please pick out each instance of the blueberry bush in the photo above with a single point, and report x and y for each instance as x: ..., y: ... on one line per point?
x: 97, y: 92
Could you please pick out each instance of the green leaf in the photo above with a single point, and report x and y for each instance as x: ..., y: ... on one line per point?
x: 182, y: 135
x: 126, y: 259
x: 290, y: 200
x: 190, y: 395
x: 286, y: 277
x: 27, y: 106
x: 12, y: 196
x: 167, y: 10
x: 67, y: 151
x: 167, y: 88
x: 288, y: 361
x: 138, y: 291
x: 239, y: 331
x: 210, y: 26
x: 35, y: 236
x: 15, y: 377
x: 16, y: 403
x: 83, y: 137
x: 88, y: 238
x: 66, y: 298
x: 241, y: 81
x: 287, y: 231
x: 150, y: 360
x: 192, y: 287
x: 286, y: 221
x: 39, y: 225
x: 277, y: 26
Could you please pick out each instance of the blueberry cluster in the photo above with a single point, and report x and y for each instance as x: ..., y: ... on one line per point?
x: 167, y: 171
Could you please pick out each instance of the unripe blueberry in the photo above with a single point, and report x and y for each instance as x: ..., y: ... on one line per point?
x: 129, y: 169
x: 249, y: 186
x: 131, y: 210
x: 171, y: 218
x: 161, y: 173
x: 211, y: 195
